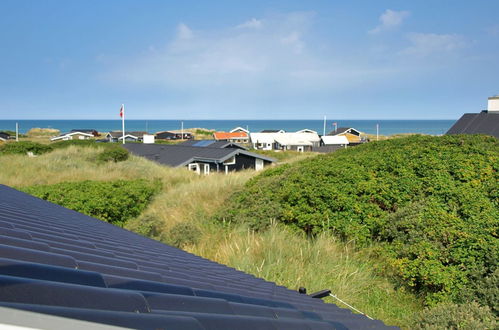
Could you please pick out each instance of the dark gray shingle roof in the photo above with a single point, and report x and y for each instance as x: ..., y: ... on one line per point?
x: 61, y: 262
x: 179, y: 155
x: 477, y: 123
x: 342, y: 130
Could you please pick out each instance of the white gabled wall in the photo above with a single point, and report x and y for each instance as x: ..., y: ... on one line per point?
x: 493, y: 104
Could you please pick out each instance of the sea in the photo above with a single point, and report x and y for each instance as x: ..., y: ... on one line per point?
x: 386, y: 127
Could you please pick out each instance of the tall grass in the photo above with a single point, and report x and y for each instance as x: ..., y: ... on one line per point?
x: 80, y: 163
x: 293, y: 260
x: 191, y: 202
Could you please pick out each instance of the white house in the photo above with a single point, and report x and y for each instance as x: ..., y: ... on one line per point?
x: 116, y: 136
x: 306, y: 130
x: 239, y: 130
x: 73, y: 136
x: 285, y: 141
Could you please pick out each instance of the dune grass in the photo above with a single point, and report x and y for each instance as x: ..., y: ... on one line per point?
x: 80, y: 163
x: 293, y: 260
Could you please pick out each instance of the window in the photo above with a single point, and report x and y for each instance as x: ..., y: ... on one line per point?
x: 195, y: 168
x: 206, y: 169
x: 230, y: 161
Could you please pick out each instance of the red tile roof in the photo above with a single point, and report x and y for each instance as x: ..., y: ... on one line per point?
x: 227, y: 136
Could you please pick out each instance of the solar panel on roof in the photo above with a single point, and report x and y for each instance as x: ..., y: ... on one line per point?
x: 202, y: 143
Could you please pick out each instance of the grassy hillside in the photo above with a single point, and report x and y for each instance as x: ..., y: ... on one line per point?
x: 181, y: 214
x: 429, y: 205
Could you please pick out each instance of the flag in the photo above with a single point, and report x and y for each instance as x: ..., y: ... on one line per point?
x: 122, y: 111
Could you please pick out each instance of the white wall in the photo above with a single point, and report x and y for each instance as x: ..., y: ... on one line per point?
x: 148, y: 139
x: 493, y: 103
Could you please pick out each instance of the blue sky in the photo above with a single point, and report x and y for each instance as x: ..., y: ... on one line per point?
x: 247, y: 59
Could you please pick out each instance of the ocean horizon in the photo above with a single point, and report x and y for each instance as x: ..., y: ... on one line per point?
x: 386, y: 127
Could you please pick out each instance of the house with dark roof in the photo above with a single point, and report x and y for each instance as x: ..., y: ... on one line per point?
x: 353, y: 135
x: 201, y: 159
x: 73, y: 135
x: 86, y: 130
x: 485, y: 122
x: 273, y: 131
x: 116, y: 136
x: 4, y: 136
x: 174, y: 135
x: 60, y: 269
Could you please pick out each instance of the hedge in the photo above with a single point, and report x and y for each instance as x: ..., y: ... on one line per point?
x: 429, y: 204
x: 111, y: 201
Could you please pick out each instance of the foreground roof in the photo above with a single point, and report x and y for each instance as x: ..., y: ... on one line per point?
x: 60, y: 262
x: 180, y: 155
x: 477, y: 123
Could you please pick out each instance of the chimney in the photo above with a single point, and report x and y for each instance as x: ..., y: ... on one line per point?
x: 493, y: 105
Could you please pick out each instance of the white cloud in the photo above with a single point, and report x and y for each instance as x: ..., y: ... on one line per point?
x: 184, y: 32
x: 425, y: 44
x: 390, y: 19
x: 282, y: 63
x: 251, y: 24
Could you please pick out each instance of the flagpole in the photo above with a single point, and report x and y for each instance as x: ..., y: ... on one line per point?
x: 123, y: 122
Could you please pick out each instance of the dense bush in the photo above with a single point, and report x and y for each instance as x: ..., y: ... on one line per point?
x: 23, y: 147
x: 111, y: 201
x: 431, y: 202
x: 451, y: 316
x: 115, y: 154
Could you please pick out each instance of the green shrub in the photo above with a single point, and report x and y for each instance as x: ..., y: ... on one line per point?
x: 182, y: 234
x: 111, y: 201
x: 80, y: 143
x: 115, y: 154
x: 23, y: 147
x: 432, y: 204
x: 470, y: 316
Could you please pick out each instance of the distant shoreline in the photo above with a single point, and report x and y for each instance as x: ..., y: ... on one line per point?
x: 386, y: 127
